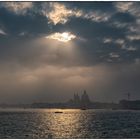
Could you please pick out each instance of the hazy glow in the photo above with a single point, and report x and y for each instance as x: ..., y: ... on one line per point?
x: 60, y: 13
x: 123, y: 7
x: 63, y: 37
x: 18, y: 7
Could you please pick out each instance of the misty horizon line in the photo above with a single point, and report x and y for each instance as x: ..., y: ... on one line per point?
x: 66, y: 101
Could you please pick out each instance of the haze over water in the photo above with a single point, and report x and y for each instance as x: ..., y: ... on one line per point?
x: 72, y: 123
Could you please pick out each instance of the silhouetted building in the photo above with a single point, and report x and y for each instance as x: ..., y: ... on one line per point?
x: 76, y: 100
x: 85, y: 102
x: 126, y: 104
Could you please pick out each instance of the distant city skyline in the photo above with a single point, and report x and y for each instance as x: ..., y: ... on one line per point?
x: 51, y: 50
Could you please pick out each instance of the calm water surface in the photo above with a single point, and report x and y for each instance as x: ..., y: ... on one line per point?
x: 41, y: 123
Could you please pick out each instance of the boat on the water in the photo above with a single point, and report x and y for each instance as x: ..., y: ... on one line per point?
x: 58, y: 112
x: 83, y: 108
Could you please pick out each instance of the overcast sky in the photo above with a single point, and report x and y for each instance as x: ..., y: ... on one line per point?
x: 51, y: 50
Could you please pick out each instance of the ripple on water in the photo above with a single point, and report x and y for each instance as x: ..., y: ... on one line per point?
x: 44, y: 123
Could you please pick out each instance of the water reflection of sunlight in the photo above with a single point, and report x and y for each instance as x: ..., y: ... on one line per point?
x: 64, y: 125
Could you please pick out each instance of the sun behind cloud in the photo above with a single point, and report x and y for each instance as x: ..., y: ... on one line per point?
x: 63, y: 37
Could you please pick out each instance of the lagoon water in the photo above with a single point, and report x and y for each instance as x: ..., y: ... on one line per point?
x: 72, y: 123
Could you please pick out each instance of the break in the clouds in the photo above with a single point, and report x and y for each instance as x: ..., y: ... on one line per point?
x: 50, y: 50
x: 63, y: 37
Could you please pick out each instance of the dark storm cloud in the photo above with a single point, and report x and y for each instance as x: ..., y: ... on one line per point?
x: 104, y: 57
x: 91, y: 30
x: 123, y: 18
x: 16, y: 24
x: 94, y: 6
